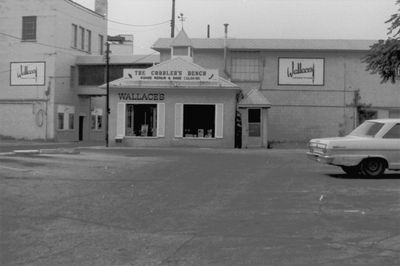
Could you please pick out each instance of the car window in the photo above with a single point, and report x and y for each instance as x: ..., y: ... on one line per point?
x: 367, y: 129
x: 393, y: 133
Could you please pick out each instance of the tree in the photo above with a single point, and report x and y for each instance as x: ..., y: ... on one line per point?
x: 384, y: 56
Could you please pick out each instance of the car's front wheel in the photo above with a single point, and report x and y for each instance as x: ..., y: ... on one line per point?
x: 352, y: 170
x: 373, y: 167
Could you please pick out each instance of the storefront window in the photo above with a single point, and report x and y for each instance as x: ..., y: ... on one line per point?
x: 141, y: 120
x: 198, y: 121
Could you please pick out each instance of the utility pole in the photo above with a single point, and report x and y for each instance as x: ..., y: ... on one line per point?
x: 108, y: 89
x: 173, y: 20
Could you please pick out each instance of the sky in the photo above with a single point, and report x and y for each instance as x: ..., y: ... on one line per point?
x: 261, y: 19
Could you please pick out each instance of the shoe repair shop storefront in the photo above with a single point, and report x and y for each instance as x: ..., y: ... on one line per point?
x: 175, y: 103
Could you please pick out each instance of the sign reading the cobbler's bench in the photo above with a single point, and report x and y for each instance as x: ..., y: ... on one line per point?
x: 27, y: 73
x: 301, y: 71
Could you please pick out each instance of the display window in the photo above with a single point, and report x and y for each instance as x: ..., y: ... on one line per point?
x: 198, y: 121
x: 141, y: 120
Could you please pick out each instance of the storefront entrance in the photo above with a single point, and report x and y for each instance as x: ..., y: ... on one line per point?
x: 253, y: 108
x: 254, y: 138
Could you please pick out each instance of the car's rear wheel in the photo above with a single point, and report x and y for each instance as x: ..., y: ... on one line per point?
x: 352, y: 170
x: 373, y: 167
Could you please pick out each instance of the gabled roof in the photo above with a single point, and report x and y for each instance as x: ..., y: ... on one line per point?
x: 176, y: 63
x: 181, y: 40
x: 254, y: 98
x: 271, y: 44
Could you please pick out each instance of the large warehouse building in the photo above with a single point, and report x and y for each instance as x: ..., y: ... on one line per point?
x: 315, y: 87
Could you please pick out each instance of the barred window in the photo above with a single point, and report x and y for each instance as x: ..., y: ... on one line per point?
x: 29, y: 28
x: 246, y: 66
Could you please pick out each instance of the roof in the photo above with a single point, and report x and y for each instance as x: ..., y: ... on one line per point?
x: 271, y: 44
x: 181, y: 39
x: 254, y: 98
x: 176, y: 64
x: 118, y: 59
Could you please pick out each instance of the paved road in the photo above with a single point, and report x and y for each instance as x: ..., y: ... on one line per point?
x: 193, y: 207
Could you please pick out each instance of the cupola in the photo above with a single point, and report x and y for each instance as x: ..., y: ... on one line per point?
x: 181, y: 46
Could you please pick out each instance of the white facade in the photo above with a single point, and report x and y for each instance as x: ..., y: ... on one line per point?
x: 39, y: 43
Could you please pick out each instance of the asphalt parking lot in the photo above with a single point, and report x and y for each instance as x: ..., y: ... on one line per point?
x: 193, y: 207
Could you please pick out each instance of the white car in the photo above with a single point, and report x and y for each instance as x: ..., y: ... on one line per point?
x: 368, y: 150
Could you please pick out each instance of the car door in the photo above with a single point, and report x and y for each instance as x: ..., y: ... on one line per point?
x: 391, y: 143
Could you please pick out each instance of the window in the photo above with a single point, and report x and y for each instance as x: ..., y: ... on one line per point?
x: 88, y: 41
x: 29, y: 28
x: 70, y: 121
x: 199, y: 121
x: 394, y: 113
x: 101, y: 44
x: 82, y: 38
x: 97, y: 119
x: 246, y: 66
x: 74, y: 37
x: 72, y: 77
x: 254, y: 122
x: 95, y: 74
x: 65, y: 117
x: 183, y: 51
x: 393, y: 133
x: 60, y: 121
x: 367, y: 129
x: 141, y: 120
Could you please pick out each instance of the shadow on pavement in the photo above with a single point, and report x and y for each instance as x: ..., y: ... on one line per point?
x: 346, y: 176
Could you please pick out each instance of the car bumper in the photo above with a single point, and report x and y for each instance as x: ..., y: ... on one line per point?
x: 327, y: 159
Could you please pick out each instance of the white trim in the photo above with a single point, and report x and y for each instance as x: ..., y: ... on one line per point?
x: 219, y: 120
x: 121, y: 109
x: 160, y: 119
x: 178, y: 120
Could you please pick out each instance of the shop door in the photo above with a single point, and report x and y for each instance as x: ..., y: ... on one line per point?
x: 81, y: 123
x: 254, y: 138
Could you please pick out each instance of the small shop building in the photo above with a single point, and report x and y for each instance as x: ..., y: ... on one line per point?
x: 179, y: 103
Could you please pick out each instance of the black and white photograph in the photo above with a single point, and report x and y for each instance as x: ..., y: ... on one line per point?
x: 200, y: 132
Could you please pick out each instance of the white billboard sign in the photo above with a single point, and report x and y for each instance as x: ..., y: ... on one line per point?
x: 301, y: 71
x: 27, y: 73
x: 205, y: 75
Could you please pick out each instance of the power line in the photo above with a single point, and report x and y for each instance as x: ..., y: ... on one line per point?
x: 135, y: 25
x: 63, y: 48
x: 38, y: 43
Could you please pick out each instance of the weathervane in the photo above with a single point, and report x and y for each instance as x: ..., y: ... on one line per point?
x: 181, y: 18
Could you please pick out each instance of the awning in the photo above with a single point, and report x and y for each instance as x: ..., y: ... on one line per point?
x: 254, y: 98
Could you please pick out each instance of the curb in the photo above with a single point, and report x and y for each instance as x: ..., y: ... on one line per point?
x: 26, y: 152
x: 43, y: 151
x: 59, y: 151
